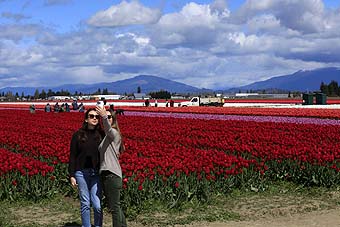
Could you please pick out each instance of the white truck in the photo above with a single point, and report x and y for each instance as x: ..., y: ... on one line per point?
x: 198, y: 101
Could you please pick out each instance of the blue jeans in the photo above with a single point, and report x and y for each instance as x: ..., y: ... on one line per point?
x: 90, y: 193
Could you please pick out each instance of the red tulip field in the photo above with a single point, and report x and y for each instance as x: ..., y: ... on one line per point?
x: 174, y: 157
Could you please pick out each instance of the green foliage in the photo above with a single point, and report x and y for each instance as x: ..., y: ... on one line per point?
x: 43, y: 94
x: 331, y: 89
x: 36, y: 94
x: 16, y: 186
x: 160, y: 95
x: 174, y: 192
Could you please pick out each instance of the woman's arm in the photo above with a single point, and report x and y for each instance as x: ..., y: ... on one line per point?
x: 109, y: 131
x: 73, y: 155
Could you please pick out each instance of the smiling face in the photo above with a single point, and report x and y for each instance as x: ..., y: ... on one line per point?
x: 109, y: 116
x: 92, y: 119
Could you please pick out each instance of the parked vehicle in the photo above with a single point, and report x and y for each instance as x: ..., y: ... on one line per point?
x: 198, y: 101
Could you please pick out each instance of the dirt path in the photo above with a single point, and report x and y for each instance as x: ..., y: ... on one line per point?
x: 280, y: 211
x: 291, y: 210
x: 326, y: 218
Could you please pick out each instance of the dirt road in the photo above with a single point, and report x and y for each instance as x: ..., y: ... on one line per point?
x: 325, y: 218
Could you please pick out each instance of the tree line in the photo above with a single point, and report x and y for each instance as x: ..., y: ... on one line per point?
x: 44, y: 95
x: 162, y: 94
x: 331, y: 89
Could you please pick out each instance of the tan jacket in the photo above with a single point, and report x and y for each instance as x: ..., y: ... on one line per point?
x: 109, y: 150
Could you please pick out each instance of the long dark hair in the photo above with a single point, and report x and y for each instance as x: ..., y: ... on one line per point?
x: 82, y: 135
x: 116, y: 126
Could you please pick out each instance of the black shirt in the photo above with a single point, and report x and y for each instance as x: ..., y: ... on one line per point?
x: 83, y: 155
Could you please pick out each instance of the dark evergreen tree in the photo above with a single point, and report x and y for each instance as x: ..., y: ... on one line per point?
x: 50, y: 93
x: 105, y: 91
x: 98, y: 92
x: 36, y: 94
x: 323, y: 87
x: 333, y: 88
x: 43, y: 94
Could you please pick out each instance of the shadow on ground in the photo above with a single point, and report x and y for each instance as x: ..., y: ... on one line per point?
x: 72, y: 224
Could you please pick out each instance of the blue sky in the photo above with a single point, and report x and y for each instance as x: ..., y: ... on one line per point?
x: 211, y: 44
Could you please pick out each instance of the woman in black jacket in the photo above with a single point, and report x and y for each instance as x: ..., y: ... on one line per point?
x: 84, y: 167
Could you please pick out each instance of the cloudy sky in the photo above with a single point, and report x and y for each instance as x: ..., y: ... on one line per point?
x: 211, y: 44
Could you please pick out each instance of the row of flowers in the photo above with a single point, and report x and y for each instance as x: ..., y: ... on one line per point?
x: 170, y: 156
x: 280, y: 119
x: 246, y: 111
x: 16, y: 162
x: 328, y: 112
x: 24, y: 176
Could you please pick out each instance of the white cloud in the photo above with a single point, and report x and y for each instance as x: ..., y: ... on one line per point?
x: 306, y: 16
x: 88, y: 75
x: 204, y: 45
x: 265, y: 23
x: 14, y: 16
x: 194, y: 25
x: 17, y: 32
x: 125, y: 13
x: 221, y: 8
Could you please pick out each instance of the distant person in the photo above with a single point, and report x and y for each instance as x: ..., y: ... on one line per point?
x: 119, y: 111
x: 67, y: 107
x: 172, y: 103
x: 147, y: 102
x: 166, y: 103
x: 81, y: 107
x: 62, y: 108
x: 47, y: 108
x: 156, y: 103
x: 112, y: 107
x: 75, y: 105
x: 32, y: 108
x: 56, y: 108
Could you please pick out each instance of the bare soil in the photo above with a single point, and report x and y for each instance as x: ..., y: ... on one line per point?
x: 264, y: 211
x: 325, y: 218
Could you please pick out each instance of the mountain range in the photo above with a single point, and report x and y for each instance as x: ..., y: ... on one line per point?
x: 303, y: 80
x: 147, y: 84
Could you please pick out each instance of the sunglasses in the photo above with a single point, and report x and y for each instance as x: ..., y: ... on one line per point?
x: 109, y: 116
x: 94, y: 116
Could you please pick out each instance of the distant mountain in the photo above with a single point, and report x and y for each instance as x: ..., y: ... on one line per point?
x: 145, y: 82
x: 303, y: 80
x: 153, y: 83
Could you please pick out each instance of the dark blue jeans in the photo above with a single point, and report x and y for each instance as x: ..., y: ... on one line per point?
x: 112, y: 185
x: 90, y: 193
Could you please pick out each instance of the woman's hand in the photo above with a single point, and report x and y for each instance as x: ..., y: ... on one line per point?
x: 73, y: 182
x: 101, y: 111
